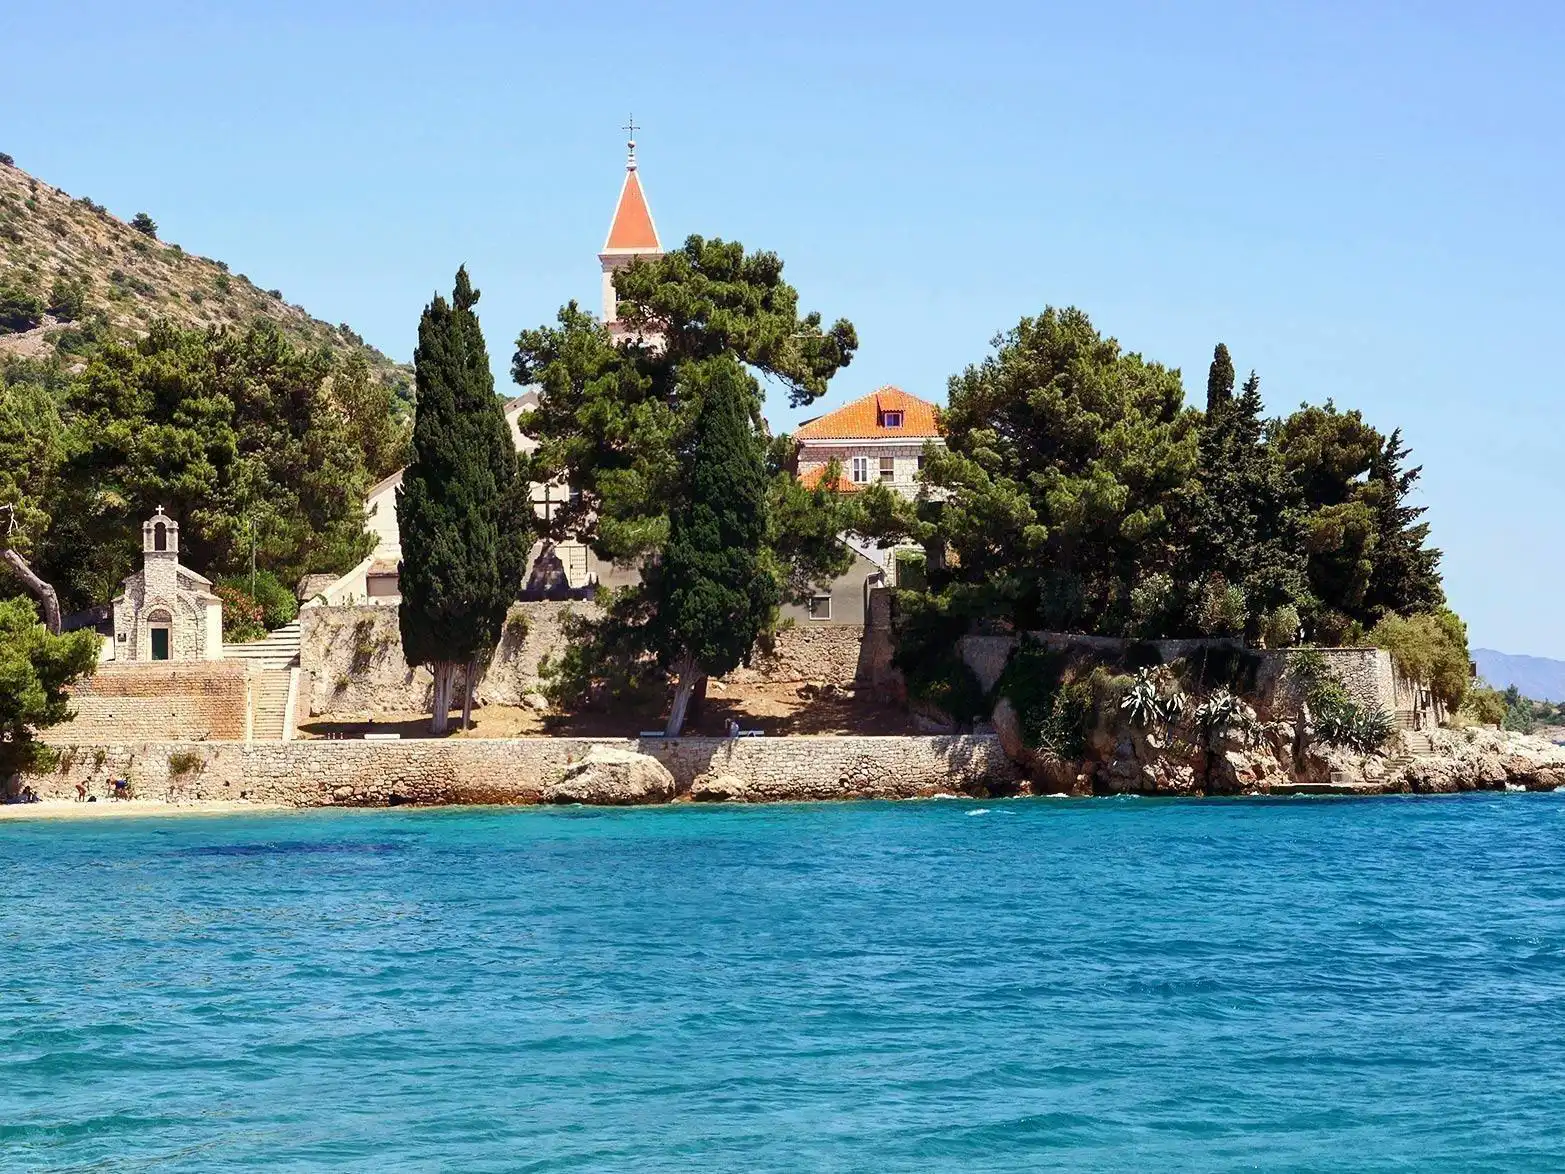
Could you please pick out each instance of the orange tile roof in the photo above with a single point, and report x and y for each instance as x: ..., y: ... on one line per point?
x: 811, y: 478
x: 861, y: 420
x: 632, y: 230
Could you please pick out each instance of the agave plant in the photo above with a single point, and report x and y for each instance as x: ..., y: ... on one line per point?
x: 1141, y: 703
x: 1218, y: 712
x: 1174, y: 706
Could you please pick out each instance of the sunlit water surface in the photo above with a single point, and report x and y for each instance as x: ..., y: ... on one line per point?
x: 1026, y: 985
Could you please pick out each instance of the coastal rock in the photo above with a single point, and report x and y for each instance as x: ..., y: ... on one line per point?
x: 720, y: 788
x: 611, y: 777
x: 536, y: 701
x: 1008, y: 728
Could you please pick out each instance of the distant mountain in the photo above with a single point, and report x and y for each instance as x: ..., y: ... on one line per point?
x: 72, y: 274
x: 1537, y: 677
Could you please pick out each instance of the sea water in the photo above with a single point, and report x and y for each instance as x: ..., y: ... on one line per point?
x: 1022, y: 985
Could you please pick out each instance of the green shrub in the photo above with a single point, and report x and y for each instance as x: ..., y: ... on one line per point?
x: 1280, y: 627
x: 1061, y: 697
x: 144, y: 224
x: 184, y: 762
x: 7, y: 160
x: 242, y: 616
x: 19, y: 310
x: 1223, y: 609
x: 927, y: 656
x: 67, y: 299
x: 222, y: 283
x: 264, y: 597
x: 911, y: 570
x: 1484, y: 706
x: 1429, y: 648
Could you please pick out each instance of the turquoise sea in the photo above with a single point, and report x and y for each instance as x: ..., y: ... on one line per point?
x: 1023, y: 985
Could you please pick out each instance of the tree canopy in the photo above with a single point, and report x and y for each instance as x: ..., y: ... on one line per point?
x: 236, y: 433
x: 1078, y: 493
x: 35, y: 670
x: 621, y: 422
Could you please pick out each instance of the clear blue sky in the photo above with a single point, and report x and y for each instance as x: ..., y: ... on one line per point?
x: 1362, y: 200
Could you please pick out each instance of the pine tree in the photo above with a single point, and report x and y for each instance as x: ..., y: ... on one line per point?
x: 457, y: 507
x: 619, y: 423
x: 714, y: 592
x: 1406, y: 571
x: 1219, y: 380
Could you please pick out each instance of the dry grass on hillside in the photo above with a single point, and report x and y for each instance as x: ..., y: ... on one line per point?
x: 132, y: 279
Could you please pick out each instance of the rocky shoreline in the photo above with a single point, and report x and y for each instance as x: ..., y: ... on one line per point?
x: 1262, y: 759
x: 1278, y: 757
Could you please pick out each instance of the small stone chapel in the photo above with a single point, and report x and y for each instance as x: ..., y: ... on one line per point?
x: 165, y: 611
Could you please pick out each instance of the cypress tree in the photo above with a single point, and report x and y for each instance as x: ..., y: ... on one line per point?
x: 1219, y: 380
x: 1242, y: 526
x: 456, y: 508
x: 714, y: 590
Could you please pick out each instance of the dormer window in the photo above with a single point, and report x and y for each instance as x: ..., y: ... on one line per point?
x: 891, y: 419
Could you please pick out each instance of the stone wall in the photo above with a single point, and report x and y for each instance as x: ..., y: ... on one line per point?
x: 195, y: 700
x: 1367, y: 675
x: 477, y: 770
x: 353, y: 658
x: 823, y: 653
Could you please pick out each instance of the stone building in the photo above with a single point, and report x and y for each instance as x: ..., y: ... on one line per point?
x: 166, y: 611
x: 879, y: 438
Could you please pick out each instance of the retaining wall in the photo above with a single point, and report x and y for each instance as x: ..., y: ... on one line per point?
x: 480, y: 770
x: 352, y: 657
x: 185, y: 700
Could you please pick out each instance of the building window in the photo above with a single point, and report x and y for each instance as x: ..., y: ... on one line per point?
x: 920, y: 462
x: 861, y: 469
x: 159, y: 537
x: 888, y: 469
x: 820, y: 607
x: 891, y: 419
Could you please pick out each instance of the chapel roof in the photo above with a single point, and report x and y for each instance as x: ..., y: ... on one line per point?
x: 864, y: 419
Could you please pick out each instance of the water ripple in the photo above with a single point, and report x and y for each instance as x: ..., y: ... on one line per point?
x: 1367, y: 985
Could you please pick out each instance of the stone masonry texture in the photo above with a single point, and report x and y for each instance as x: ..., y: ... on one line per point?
x: 477, y: 770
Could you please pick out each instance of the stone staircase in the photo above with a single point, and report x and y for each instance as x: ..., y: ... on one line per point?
x: 279, y: 650
x: 270, y: 716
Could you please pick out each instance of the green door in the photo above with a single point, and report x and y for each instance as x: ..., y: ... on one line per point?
x: 159, y: 643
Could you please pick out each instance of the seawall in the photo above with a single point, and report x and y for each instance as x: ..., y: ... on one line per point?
x: 515, y: 770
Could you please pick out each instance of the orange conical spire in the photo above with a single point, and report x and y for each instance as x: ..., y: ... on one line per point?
x: 632, y: 230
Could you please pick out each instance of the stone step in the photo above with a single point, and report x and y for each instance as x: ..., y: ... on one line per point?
x: 271, y: 705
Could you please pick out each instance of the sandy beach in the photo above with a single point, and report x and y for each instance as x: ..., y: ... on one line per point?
x: 131, y: 809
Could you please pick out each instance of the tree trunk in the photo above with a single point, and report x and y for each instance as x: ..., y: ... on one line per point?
x: 688, y: 676
x: 697, y: 708
x: 467, y: 695
x: 438, y: 719
x: 43, y: 592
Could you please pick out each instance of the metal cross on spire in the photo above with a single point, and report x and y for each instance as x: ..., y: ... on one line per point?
x: 630, y: 128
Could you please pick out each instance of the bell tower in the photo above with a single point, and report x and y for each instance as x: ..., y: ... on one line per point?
x: 631, y: 234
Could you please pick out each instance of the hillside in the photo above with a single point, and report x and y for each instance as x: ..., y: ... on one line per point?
x: 71, y: 274
x: 1537, y: 677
